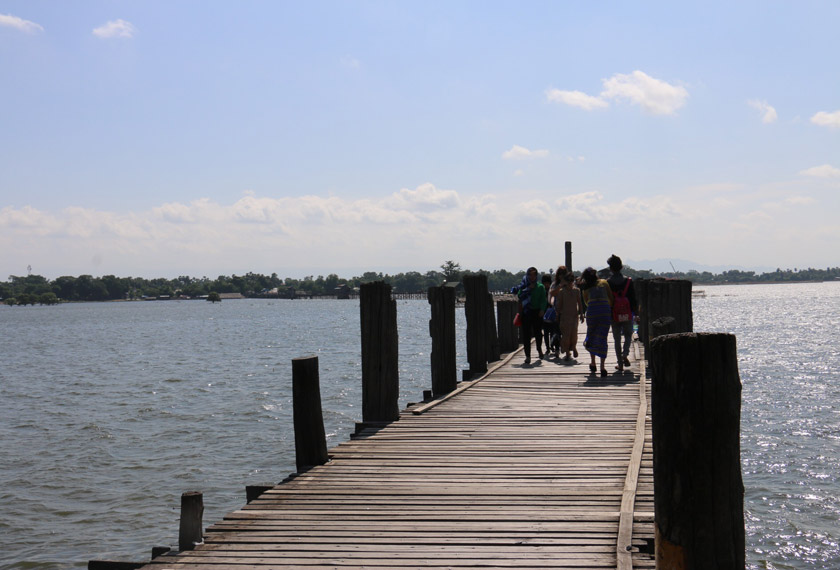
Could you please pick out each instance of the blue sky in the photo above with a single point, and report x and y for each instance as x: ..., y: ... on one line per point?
x: 203, y: 138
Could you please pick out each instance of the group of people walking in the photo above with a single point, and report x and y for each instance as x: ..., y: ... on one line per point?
x: 552, y: 307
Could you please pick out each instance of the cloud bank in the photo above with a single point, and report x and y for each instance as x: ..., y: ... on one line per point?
x: 413, y: 228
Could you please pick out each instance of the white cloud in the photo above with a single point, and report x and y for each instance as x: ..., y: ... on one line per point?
x: 20, y: 24
x: 769, y: 114
x: 576, y: 99
x: 824, y: 171
x: 653, y: 95
x: 824, y: 119
x: 520, y: 152
x: 115, y: 29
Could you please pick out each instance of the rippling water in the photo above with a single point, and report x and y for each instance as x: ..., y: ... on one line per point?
x: 789, y: 361
x: 112, y: 410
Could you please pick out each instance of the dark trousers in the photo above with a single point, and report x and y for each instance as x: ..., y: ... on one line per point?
x: 532, y: 328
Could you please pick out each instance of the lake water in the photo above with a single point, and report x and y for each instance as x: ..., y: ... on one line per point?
x: 111, y: 410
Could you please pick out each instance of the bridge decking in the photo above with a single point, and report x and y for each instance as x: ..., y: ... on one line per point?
x: 542, y: 467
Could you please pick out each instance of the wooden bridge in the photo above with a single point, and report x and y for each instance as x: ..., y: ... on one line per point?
x: 540, y: 466
x: 547, y: 466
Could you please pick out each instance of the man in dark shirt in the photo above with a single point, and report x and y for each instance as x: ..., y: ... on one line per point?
x: 618, y: 284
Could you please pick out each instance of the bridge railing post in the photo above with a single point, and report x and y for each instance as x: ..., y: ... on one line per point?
x: 493, y: 352
x: 190, y: 527
x: 442, y: 331
x: 475, y: 310
x: 663, y: 298
x: 698, y: 489
x: 310, y: 438
x: 508, y: 333
x: 380, y: 353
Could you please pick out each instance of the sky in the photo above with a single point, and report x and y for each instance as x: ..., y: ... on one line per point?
x: 156, y: 139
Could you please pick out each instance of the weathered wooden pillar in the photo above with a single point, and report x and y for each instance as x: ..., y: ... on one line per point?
x: 493, y: 352
x: 666, y: 298
x: 508, y: 333
x: 442, y: 330
x: 569, y: 255
x: 640, y: 286
x: 475, y: 309
x: 698, y: 490
x: 380, y: 353
x: 310, y: 440
x: 192, y: 512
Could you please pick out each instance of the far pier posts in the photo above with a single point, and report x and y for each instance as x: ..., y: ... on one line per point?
x: 380, y: 367
x: 442, y: 330
x: 698, y: 489
x: 310, y: 438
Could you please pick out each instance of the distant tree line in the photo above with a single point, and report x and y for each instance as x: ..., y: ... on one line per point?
x: 35, y: 289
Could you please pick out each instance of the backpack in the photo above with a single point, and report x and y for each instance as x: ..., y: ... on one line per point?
x: 621, y: 312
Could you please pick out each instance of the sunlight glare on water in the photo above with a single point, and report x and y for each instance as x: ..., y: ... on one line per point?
x: 789, y: 363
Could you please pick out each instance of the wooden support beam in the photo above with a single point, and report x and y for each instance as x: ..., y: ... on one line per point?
x: 190, y: 530
x: 698, y: 489
x: 478, y: 335
x: 380, y: 353
x: 310, y: 438
x: 508, y: 333
x: 442, y: 331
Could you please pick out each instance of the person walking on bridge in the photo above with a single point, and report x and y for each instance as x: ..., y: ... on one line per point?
x: 598, y: 298
x: 624, y: 312
x: 533, y: 301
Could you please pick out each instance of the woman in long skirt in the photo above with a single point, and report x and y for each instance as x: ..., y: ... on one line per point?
x: 569, y: 309
x: 598, y: 298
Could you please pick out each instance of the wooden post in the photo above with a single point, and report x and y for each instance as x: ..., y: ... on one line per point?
x: 698, y: 490
x: 666, y: 298
x: 475, y: 309
x: 310, y: 439
x: 493, y: 352
x: 442, y: 331
x: 380, y: 353
x: 253, y: 492
x: 640, y: 286
x: 569, y: 255
x: 192, y: 511
x: 508, y: 334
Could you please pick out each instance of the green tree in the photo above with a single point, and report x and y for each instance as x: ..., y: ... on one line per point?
x: 451, y: 270
x: 48, y: 298
x: 214, y: 297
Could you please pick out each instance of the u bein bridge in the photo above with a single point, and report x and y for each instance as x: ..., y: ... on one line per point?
x: 547, y: 466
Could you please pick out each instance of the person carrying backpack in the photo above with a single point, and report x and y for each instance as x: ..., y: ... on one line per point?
x: 625, y: 309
